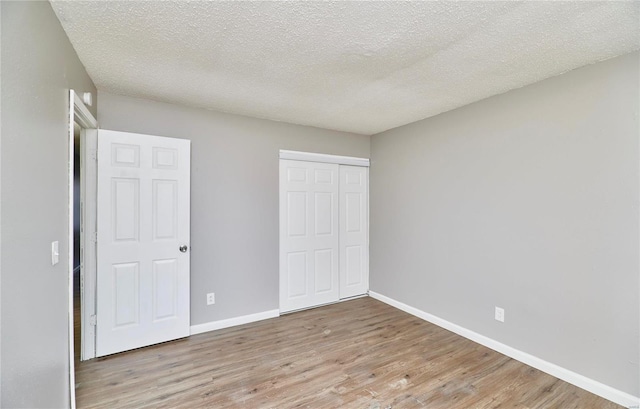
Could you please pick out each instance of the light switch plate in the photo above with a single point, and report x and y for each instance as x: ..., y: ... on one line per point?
x: 55, y: 253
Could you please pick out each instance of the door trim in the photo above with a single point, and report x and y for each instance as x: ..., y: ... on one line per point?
x: 324, y: 158
x: 88, y: 226
x: 79, y: 113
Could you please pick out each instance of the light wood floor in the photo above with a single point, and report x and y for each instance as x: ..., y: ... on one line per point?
x: 355, y: 354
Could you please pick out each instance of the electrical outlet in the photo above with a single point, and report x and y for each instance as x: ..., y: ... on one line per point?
x: 499, y: 314
x: 211, y: 298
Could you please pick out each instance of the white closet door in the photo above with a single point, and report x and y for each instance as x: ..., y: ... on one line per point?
x: 309, y: 232
x: 354, y: 231
x: 143, y: 239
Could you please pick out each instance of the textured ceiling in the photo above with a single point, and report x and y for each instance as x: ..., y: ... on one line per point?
x: 358, y: 67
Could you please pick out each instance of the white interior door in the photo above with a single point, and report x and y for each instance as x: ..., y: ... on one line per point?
x: 309, y: 233
x: 354, y: 231
x: 142, y: 222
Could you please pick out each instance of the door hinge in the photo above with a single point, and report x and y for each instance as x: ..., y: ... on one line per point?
x: 93, y: 320
x: 93, y: 155
x: 94, y: 237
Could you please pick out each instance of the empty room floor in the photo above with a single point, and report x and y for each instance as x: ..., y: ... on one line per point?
x: 355, y: 354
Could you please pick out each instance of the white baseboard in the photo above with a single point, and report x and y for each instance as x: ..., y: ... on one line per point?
x: 232, y: 322
x: 581, y: 381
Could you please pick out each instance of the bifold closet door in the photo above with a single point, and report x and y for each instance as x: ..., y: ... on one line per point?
x: 309, y: 234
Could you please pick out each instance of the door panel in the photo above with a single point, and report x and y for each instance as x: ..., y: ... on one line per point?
x: 142, y: 220
x: 297, y: 274
x: 353, y: 265
x: 165, y: 209
x: 353, y: 212
x: 296, y: 214
x: 309, y: 231
x: 126, y: 209
x: 323, y: 270
x: 126, y: 282
x: 165, y: 283
x: 324, y: 216
x: 354, y: 231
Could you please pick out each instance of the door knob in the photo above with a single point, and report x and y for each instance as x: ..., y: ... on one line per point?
x: 183, y: 248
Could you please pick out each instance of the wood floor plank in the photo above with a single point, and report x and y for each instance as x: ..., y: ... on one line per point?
x: 356, y: 354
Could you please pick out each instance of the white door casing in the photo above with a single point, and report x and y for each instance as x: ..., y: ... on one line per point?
x: 88, y: 277
x: 80, y: 115
x: 354, y: 231
x: 309, y: 231
x: 143, y: 203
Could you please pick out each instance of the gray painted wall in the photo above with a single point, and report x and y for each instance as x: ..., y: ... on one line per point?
x: 527, y: 201
x: 38, y: 68
x: 234, y: 194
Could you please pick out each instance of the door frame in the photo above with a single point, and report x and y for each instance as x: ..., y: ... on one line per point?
x: 88, y: 242
x: 321, y: 158
x: 78, y: 113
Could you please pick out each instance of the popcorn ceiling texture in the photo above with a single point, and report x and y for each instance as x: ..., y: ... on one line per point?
x: 357, y: 67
